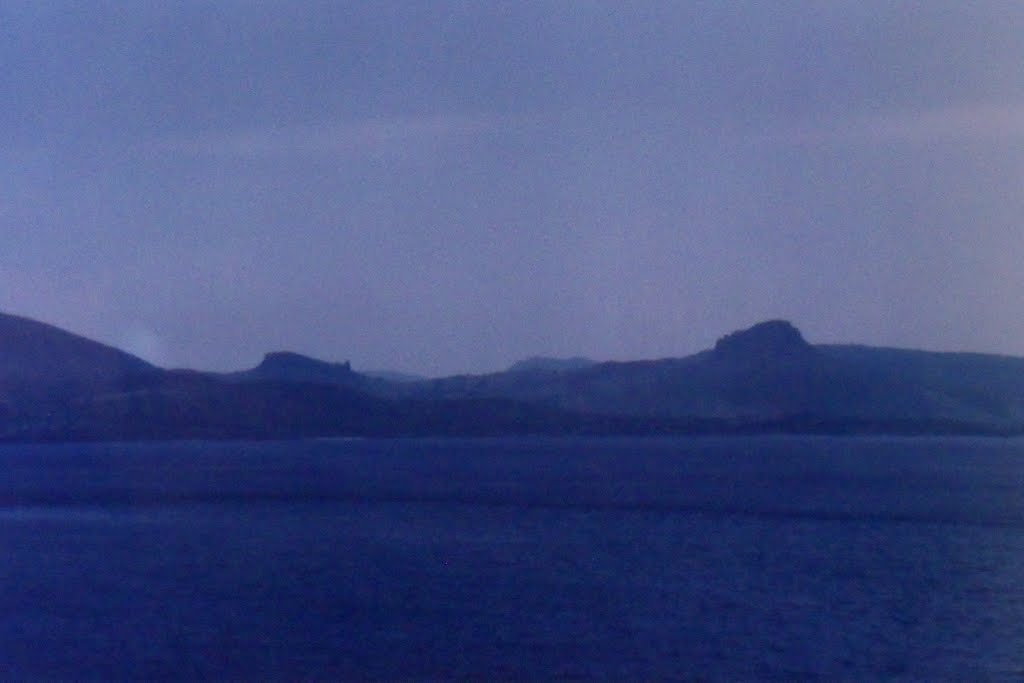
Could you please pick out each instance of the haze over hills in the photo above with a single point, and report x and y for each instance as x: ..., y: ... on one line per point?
x: 546, y: 364
x: 394, y: 376
x: 769, y: 372
x: 58, y: 386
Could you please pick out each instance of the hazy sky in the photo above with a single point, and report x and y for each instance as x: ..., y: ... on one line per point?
x: 441, y: 187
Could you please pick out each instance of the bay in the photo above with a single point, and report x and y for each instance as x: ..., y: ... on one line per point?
x: 752, y: 558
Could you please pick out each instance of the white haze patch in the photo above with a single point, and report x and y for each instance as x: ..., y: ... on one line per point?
x: 140, y: 340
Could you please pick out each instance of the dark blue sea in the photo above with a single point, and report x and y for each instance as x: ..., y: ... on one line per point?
x: 768, y: 558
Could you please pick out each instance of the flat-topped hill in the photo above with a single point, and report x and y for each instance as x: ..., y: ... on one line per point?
x: 57, y: 385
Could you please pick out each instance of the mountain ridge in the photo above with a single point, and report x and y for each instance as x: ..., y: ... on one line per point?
x: 55, y: 385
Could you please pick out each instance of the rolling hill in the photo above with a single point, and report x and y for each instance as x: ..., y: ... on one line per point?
x: 55, y: 385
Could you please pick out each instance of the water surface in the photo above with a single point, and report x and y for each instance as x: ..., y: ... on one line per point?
x: 752, y: 558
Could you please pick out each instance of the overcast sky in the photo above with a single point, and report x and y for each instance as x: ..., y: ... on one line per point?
x: 445, y: 187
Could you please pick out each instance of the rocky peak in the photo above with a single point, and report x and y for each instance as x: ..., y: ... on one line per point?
x: 768, y: 339
x: 286, y: 365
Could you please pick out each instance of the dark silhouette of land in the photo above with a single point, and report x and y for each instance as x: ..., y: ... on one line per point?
x: 55, y: 385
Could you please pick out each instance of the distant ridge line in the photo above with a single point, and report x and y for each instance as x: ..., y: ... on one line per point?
x: 58, y: 386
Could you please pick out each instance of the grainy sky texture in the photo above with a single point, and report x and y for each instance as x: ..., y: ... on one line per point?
x: 444, y: 187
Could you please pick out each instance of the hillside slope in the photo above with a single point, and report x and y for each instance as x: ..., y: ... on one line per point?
x: 40, y: 355
x: 770, y: 372
x: 55, y: 385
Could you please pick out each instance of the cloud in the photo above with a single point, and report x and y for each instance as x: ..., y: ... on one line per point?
x: 971, y: 121
x: 379, y: 137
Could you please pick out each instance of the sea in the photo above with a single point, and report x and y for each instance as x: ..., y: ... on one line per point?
x: 738, y: 558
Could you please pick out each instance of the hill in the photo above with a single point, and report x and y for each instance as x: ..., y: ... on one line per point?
x: 770, y: 372
x: 55, y: 385
x: 37, y: 355
x: 293, y: 367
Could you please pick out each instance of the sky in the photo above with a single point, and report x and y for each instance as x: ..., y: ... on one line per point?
x: 445, y: 187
